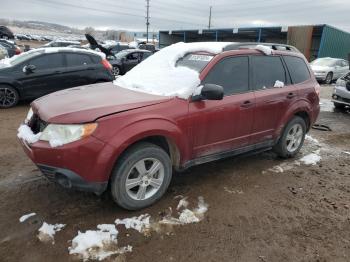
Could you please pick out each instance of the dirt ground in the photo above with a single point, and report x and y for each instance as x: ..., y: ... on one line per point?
x: 255, y: 213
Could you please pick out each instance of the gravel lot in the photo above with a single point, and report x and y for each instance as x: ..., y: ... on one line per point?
x: 255, y: 213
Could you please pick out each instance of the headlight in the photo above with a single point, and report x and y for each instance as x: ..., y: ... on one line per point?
x: 58, y: 135
x: 29, y: 116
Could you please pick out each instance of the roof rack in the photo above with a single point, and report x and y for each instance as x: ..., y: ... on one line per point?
x: 252, y: 45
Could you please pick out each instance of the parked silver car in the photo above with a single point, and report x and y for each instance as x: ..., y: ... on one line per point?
x: 3, y: 52
x: 341, y: 92
x: 328, y: 69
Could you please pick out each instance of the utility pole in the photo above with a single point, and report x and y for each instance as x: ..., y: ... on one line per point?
x: 209, y: 26
x: 147, y: 17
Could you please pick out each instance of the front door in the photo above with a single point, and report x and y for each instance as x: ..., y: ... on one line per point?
x: 47, y: 76
x: 131, y: 60
x: 224, y: 125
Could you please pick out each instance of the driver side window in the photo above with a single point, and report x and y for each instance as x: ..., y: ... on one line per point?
x: 133, y: 56
x: 231, y: 73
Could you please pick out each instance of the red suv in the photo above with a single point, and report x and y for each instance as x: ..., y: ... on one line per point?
x: 92, y: 136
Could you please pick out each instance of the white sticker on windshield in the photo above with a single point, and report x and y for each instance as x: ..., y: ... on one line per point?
x: 200, y: 57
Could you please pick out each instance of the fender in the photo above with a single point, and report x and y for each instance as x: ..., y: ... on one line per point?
x: 153, y: 125
x: 298, y: 106
x: 14, y: 83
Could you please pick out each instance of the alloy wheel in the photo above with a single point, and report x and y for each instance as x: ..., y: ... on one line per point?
x: 115, y: 71
x: 294, y: 138
x: 8, y: 97
x: 144, y: 179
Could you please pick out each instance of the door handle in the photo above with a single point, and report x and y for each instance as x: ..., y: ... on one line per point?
x: 291, y: 95
x: 246, y: 104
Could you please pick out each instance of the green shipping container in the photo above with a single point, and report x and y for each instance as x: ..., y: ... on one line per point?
x: 334, y: 43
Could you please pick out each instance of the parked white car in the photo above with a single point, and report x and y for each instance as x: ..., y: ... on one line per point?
x: 341, y: 92
x: 328, y: 69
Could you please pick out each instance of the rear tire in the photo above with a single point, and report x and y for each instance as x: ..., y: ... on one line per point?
x: 292, y: 138
x: 141, y: 176
x: 338, y: 105
x: 8, y: 96
x: 116, y: 71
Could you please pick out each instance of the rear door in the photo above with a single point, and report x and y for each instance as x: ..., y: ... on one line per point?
x: 273, y: 92
x: 223, y: 125
x: 80, y: 69
x: 47, y: 76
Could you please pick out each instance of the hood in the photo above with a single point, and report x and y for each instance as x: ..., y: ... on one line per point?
x: 320, y: 68
x: 95, y: 45
x: 87, y: 103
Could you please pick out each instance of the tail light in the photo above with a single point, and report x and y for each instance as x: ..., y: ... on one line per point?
x: 18, y: 50
x: 106, y: 64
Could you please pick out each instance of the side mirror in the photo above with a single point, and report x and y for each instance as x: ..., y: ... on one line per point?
x: 210, y: 92
x: 29, y: 68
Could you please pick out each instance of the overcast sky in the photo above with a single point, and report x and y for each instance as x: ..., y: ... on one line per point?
x: 177, y: 14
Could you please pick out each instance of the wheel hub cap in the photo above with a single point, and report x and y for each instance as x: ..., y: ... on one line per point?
x: 144, y: 179
x: 294, y: 137
x: 7, y: 97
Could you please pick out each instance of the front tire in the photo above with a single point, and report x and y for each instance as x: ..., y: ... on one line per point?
x: 8, y: 96
x: 292, y: 138
x: 338, y: 105
x: 116, y: 71
x: 329, y: 78
x: 141, y: 176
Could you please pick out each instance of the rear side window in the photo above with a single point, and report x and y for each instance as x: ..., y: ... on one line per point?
x: 266, y: 71
x: 78, y: 59
x: 230, y: 73
x: 47, y: 61
x: 297, y: 68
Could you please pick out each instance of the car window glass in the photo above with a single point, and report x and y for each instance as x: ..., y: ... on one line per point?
x: 78, y: 59
x: 133, y: 56
x: 230, y: 73
x: 266, y: 71
x: 297, y: 68
x: 47, y: 61
x: 145, y: 55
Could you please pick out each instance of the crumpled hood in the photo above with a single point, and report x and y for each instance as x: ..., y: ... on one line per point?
x: 87, y: 103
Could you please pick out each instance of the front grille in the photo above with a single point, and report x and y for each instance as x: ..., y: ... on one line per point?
x: 36, y: 124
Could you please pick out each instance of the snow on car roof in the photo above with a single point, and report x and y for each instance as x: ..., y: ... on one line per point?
x: 159, y: 74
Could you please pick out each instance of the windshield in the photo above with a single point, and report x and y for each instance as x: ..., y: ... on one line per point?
x: 324, y: 62
x: 196, y: 62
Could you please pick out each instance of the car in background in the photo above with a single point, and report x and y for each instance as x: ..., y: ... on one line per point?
x: 11, y: 47
x: 3, y: 52
x: 127, y: 59
x: 6, y: 33
x: 41, y: 71
x: 115, y: 49
x: 328, y: 69
x: 341, y: 92
x: 61, y: 43
x: 129, y: 139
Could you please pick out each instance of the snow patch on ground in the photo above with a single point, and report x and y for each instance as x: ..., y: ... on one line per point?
x: 311, y: 159
x: 345, y: 152
x: 25, y: 133
x: 311, y: 139
x: 326, y: 105
x: 140, y: 223
x: 26, y: 216
x: 265, y: 49
x: 183, y: 203
x: 48, y: 231
x: 159, y: 75
x: 97, y: 244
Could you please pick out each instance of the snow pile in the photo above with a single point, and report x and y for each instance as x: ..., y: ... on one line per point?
x: 278, y: 84
x: 25, y: 133
x: 159, y: 75
x: 183, y: 203
x: 140, y: 223
x: 187, y: 216
x: 311, y: 159
x: 311, y: 139
x: 97, y: 244
x: 265, y: 49
x: 133, y: 44
x: 25, y: 217
x: 47, y: 232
